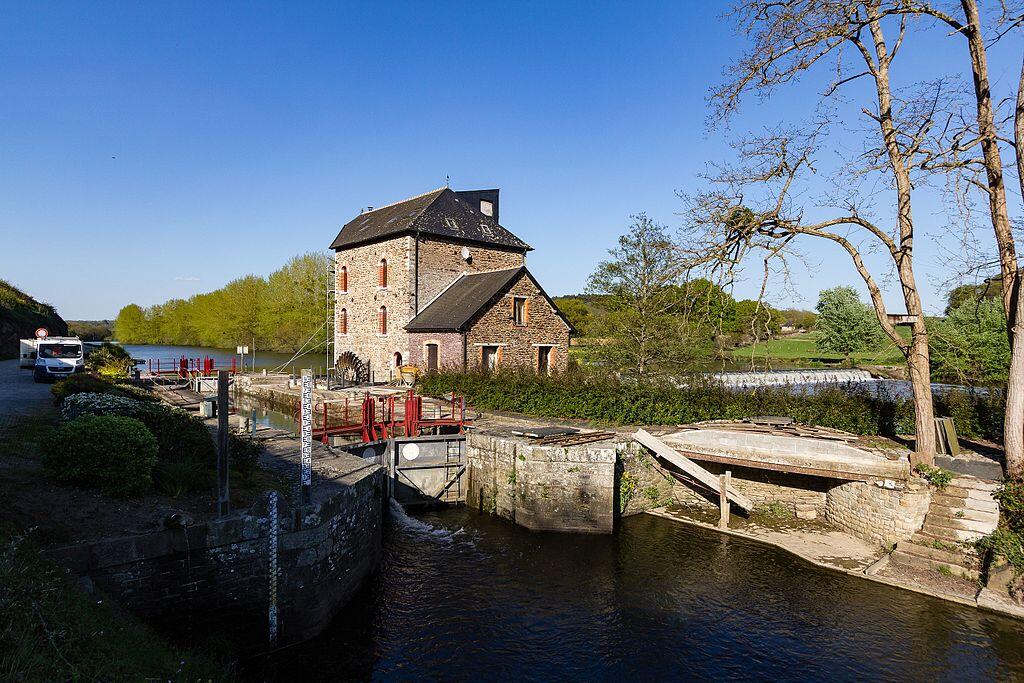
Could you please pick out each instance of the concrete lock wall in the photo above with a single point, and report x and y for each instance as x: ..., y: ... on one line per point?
x: 544, y: 488
x: 213, y: 579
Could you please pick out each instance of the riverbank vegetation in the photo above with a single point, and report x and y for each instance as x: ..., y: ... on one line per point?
x: 20, y: 316
x: 600, y: 397
x: 279, y: 312
x: 184, y: 453
x: 51, y: 630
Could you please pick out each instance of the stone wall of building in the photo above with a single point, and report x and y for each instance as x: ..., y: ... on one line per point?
x: 449, y: 348
x: 875, y: 513
x: 544, y: 488
x: 364, y: 297
x: 213, y: 578
x: 518, y: 343
x: 441, y: 262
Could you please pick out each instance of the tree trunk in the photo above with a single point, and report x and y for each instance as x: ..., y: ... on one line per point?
x: 921, y: 384
x: 1013, y: 424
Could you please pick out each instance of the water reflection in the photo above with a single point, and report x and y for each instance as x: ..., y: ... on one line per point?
x: 465, y: 596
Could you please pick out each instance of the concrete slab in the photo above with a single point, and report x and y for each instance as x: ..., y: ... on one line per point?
x: 802, y: 455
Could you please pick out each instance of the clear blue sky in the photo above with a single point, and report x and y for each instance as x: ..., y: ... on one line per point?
x: 155, y: 150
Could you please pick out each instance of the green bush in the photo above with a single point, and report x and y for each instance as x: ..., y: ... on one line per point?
x: 110, y: 360
x: 602, y: 398
x: 244, y: 453
x: 1010, y: 495
x: 87, y: 383
x: 180, y: 436
x: 109, y: 452
x: 181, y: 476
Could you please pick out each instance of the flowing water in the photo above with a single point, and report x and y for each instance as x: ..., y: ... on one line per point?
x: 464, y: 596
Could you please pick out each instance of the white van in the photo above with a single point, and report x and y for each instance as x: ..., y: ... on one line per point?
x: 58, y: 357
x: 27, y: 355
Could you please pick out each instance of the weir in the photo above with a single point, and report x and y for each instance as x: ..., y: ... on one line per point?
x: 780, y: 377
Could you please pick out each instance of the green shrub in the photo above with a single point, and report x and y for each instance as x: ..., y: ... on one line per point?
x: 244, y: 453
x: 179, y: 435
x: 89, y: 383
x: 1005, y: 543
x: 936, y: 476
x: 1010, y: 495
x: 181, y: 476
x: 109, y: 452
x: 110, y: 360
x: 602, y: 398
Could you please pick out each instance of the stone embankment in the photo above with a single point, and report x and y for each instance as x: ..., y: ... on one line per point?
x: 277, y: 567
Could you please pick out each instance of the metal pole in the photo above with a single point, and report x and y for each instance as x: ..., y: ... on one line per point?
x: 307, y: 436
x: 223, y: 495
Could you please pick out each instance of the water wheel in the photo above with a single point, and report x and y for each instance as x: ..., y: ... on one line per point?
x: 351, y: 366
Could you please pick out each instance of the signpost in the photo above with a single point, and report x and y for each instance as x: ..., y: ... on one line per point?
x: 306, y: 434
x: 241, y: 351
x: 42, y: 333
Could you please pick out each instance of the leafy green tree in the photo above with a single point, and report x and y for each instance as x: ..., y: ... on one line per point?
x: 970, y: 344
x: 799, y: 319
x: 643, y: 334
x: 131, y: 325
x: 576, y: 310
x: 757, y: 321
x: 973, y: 294
x: 845, y: 323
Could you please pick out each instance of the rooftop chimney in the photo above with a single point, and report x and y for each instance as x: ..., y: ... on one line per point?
x: 484, y: 201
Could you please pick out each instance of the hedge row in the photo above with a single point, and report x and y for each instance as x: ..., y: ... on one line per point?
x: 601, y: 398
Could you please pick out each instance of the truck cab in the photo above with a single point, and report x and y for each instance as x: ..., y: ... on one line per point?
x: 58, y: 357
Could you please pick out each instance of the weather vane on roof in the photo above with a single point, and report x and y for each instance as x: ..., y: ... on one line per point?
x: 447, y: 179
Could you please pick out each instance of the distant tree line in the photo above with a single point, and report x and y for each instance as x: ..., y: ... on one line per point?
x: 279, y: 312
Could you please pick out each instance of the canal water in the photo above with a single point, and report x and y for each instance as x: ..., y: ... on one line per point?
x: 462, y: 596
x: 268, y: 360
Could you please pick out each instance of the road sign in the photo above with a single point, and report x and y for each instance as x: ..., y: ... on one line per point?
x: 42, y: 333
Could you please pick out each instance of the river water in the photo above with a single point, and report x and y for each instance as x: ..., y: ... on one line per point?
x: 463, y: 596
x: 268, y: 360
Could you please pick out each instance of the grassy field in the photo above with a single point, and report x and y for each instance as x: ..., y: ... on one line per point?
x: 802, y: 349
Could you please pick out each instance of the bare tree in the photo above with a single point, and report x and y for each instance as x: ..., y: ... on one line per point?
x: 960, y: 156
x: 756, y: 205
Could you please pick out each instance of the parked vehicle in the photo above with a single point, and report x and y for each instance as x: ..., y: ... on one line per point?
x: 58, y: 357
x: 27, y: 354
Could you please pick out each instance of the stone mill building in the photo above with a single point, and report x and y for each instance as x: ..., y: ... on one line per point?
x: 435, y: 281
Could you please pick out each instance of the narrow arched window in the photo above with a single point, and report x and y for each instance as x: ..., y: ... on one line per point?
x: 383, y: 320
x: 343, y: 321
x: 343, y: 279
x: 382, y: 275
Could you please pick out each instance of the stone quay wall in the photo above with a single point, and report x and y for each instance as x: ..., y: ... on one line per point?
x: 883, y: 512
x: 214, y: 578
x: 543, y: 488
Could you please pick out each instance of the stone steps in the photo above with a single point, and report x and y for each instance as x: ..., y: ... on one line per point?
x: 934, y: 559
x: 961, y: 513
x: 942, y: 499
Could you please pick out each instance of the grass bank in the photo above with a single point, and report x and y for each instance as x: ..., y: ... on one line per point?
x: 802, y: 350
x: 52, y: 630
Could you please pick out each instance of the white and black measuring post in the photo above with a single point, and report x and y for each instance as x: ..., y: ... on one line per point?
x: 223, y: 494
x: 272, y: 570
x: 306, y: 437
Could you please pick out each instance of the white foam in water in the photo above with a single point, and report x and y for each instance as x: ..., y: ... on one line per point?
x: 418, y: 525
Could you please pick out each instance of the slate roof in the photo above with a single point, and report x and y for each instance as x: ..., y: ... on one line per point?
x: 455, y: 309
x: 440, y: 213
x: 456, y: 306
